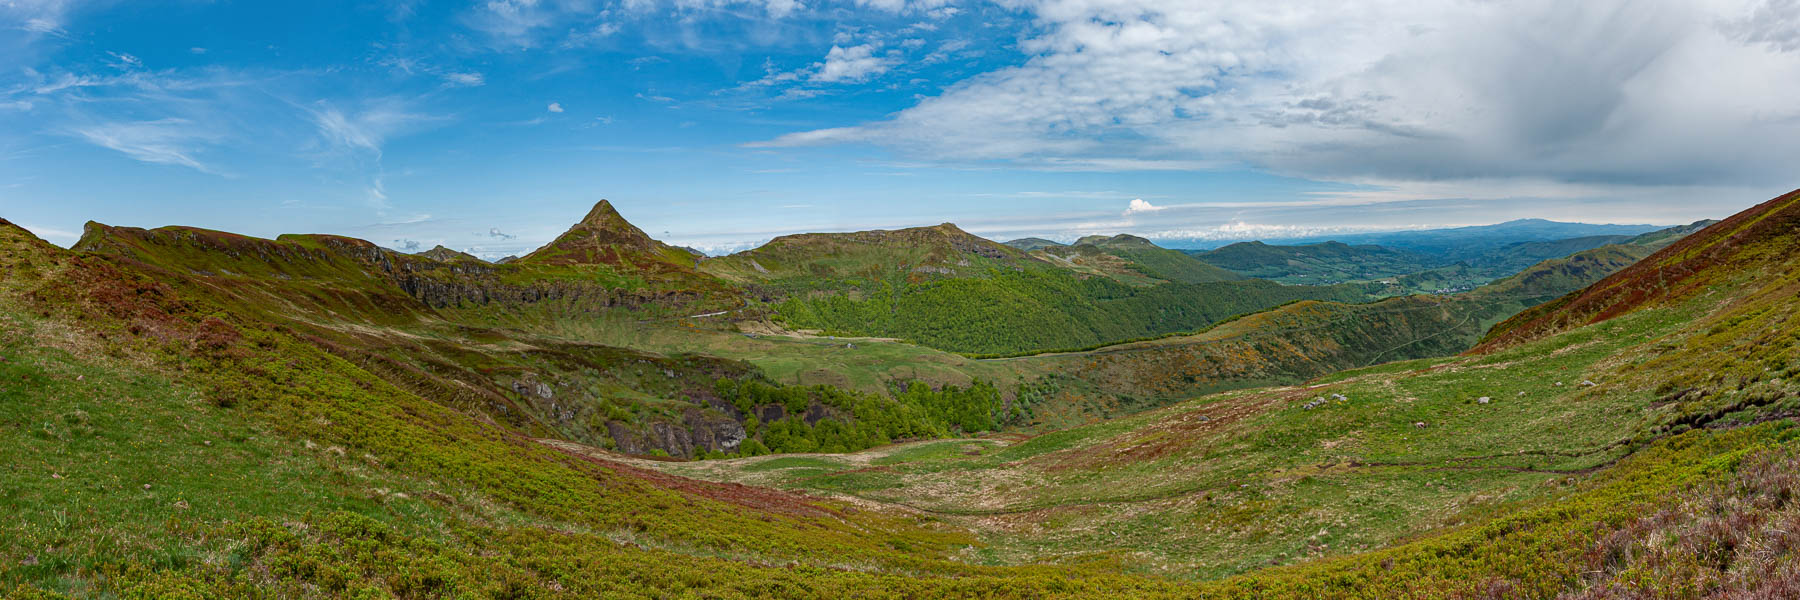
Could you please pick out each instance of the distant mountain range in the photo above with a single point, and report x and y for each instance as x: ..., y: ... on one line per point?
x: 1460, y: 240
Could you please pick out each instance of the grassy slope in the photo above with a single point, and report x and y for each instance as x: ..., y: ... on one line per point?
x: 332, y: 523
x: 1659, y: 369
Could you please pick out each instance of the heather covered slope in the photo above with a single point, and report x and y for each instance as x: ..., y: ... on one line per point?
x: 136, y: 365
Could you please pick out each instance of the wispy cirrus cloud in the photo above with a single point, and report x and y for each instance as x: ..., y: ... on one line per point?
x: 37, y: 16
x: 163, y: 141
x: 465, y: 79
x: 368, y: 126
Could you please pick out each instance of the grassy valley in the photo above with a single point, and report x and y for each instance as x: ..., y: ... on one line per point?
x: 196, y: 414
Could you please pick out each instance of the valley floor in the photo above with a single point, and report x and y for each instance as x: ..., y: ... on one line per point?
x: 1236, y: 481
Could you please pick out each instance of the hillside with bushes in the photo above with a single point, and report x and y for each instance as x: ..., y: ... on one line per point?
x: 195, y: 414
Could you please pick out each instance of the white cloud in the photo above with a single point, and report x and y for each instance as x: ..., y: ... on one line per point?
x: 1138, y: 205
x: 554, y: 107
x: 1602, y: 91
x: 366, y: 129
x: 37, y: 16
x: 123, y: 61
x: 851, y: 64
x: 517, y: 23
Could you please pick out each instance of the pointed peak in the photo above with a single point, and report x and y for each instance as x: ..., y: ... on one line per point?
x: 600, y: 237
x: 602, y: 215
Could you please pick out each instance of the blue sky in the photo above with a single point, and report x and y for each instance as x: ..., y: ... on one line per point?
x: 489, y: 126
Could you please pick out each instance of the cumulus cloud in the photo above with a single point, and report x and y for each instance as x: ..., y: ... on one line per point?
x: 554, y: 107
x: 494, y: 232
x: 854, y: 63
x: 1138, y: 205
x: 1601, y: 91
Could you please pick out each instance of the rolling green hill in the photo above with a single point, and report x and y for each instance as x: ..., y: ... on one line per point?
x: 192, y: 414
x: 946, y: 289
